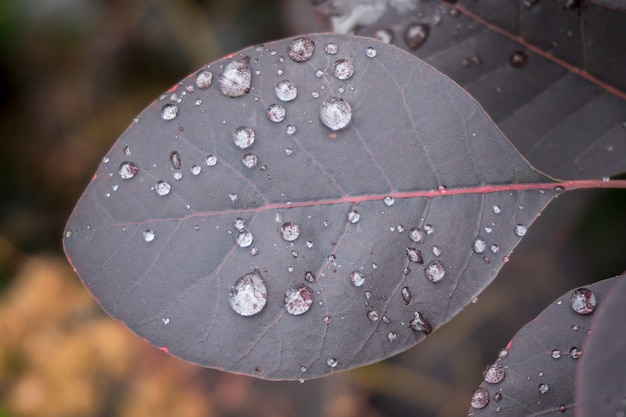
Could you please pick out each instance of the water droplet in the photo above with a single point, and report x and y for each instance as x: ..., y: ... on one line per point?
x: 309, y: 244
x: 415, y: 235
x: 406, y: 295
x: 301, y: 49
x: 169, y: 112
x: 291, y: 129
x: 518, y: 59
x: 479, y: 245
x: 250, y: 160
x: 243, y: 137
x: 335, y: 113
x: 583, y: 301
x: 149, y: 235
x: 331, y: 49
x: 384, y: 35
x: 435, y: 271
x: 563, y: 408
x: 211, y: 160
x: 357, y: 278
x: 370, y: 51
x: 244, y: 239
x: 327, y: 319
x: 127, y: 150
x: 177, y: 175
x: 298, y: 300
x: 543, y: 388
x: 354, y: 216
x: 204, y: 79
x: 290, y: 231
x: 286, y: 90
x: 106, y: 159
x: 416, y: 34
x: 420, y: 324
x: 127, y: 170
x: 175, y: 159
x: 391, y: 336
x: 196, y: 169
x: 496, y: 209
x: 556, y: 354
x: 332, y: 362
x: 497, y: 397
x: 236, y: 78
x: 414, y: 255
x: 494, y: 374
x: 389, y: 200
x: 343, y: 69
x: 240, y: 224
x: 494, y: 248
x: 276, y: 113
x: 233, y: 197
x: 575, y: 353
x: 309, y: 276
x: 480, y: 398
x: 248, y: 295
x: 373, y: 315
x: 429, y: 229
x: 520, y: 230
x: 162, y: 188
x: 436, y: 250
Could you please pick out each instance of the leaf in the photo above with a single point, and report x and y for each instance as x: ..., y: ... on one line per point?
x: 352, y: 227
x: 546, y: 72
x: 601, y: 383
x: 535, y: 373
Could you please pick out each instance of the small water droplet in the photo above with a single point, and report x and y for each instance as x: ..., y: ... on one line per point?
x: 354, y: 216
x: 127, y: 150
x: 301, y: 49
x: 415, y: 235
x: 494, y: 248
x: 518, y: 59
x: 368, y: 294
x: 244, y: 239
x: 211, y: 160
x: 169, y: 112
x: 583, y: 301
x: 128, y: 170
x: 148, y: 235
x: 416, y: 34
x: 276, y: 113
x: 343, y: 69
x: 240, y: 224
x: 370, y: 51
x: 543, y: 388
x: 332, y: 362
x: 563, y: 408
x: 429, y: 229
x: 204, y: 79
x: 290, y: 231
x: 309, y: 276
x: 291, y: 129
x: 248, y: 295
x: 357, y: 278
x: 298, y: 300
x: 236, y: 78
x: 243, y: 137
x: 420, y: 324
x: 335, y: 113
x: 106, y: 159
x: 556, y: 354
x: 503, y: 353
x: 391, y: 336
x: 254, y: 251
x: 496, y: 209
x: 406, y: 295
x: 436, y: 250
x: 286, y: 90
x: 327, y: 319
x: 480, y: 398
x: 331, y: 49
x: 575, y: 353
x: 175, y: 159
x: 162, y: 188
x: 196, y: 169
x: 233, y: 197
x: 373, y: 315
x: 384, y: 35
x: 520, y: 230
x: 414, y: 255
x: 435, y: 271
x: 177, y: 175
x: 389, y: 200
x: 250, y: 160
x: 309, y: 244
x: 479, y: 245
x: 497, y: 397
x: 494, y: 374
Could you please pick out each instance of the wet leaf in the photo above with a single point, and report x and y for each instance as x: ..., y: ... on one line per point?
x: 535, y: 373
x: 379, y: 207
x: 546, y: 72
x: 601, y: 375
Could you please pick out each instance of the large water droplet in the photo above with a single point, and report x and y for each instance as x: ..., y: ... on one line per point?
x: 583, y: 301
x: 298, y: 300
x: 127, y: 170
x: 169, y: 112
x: 480, y: 398
x: 248, y: 295
x: 290, y: 231
x: 416, y: 34
x: 243, y: 137
x: 335, y: 113
x: 149, y: 235
x: 204, y: 79
x: 520, y: 230
x: 244, y: 239
x: 357, y: 278
x: 343, y: 69
x: 495, y: 374
x: 301, y: 49
x: 250, y: 160
x: 162, y: 188
x: 276, y: 113
x: 414, y: 255
x: 435, y: 271
x: 479, y: 245
x: 518, y: 59
x: 420, y: 324
x: 236, y: 78
x: 286, y: 90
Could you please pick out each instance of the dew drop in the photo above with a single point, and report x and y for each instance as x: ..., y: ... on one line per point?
x: 563, y: 408
x: 416, y: 34
x: 290, y: 231
x: 479, y: 245
x: 520, y: 230
x: 298, y: 299
x: 391, y: 336
x: 496, y: 209
x: 211, y: 160
x: 370, y: 51
x: 543, y: 388
x: 250, y: 160
x: 373, y: 315
x: 435, y: 271
x: 497, y: 397
x: 357, y: 278
x: 494, y: 374
x: 436, y: 250
x: 248, y: 295
x: 494, y: 248
x: 244, y: 239
x: 236, y: 78
x: 169, y: 112
x: 149, y: 235
x: 127, y: 170
x: 204, y: 79
x: 301, y: 49
x: 335, y: 113
x: 416, y: 235
x: 332, y: 362
x: 389, y: 200
x: 414, y: 255
x: 406, y: 295
x: 177, y: 175
x: 429, y: 229
x: 480, y: 398
x: 243, y: 137
x: 291, y: 129
x: 556, y: 354
x: 175, y: 159
x: 196, y: 169
x: 354, y: 216
x: 276, y: 113
x: 162, y: 188
x: 518, y: 59
x: 583, y: 301
x: 286, y: 90
x: 331, y: 49
x: 309, y: 276
x: 240, y: 224
x: 343, y: 69
x: 420, y: 324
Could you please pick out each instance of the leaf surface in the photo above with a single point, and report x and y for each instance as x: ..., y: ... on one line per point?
x: 418, y: 186
x: 535, y: 373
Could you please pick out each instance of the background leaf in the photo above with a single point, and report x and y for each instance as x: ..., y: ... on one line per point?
x: 163, y: 232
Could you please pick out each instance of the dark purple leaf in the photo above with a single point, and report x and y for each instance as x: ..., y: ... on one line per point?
x: 534, y: 374
x: 373, y: 224
x: 601, y: 375
x: 563, y: 106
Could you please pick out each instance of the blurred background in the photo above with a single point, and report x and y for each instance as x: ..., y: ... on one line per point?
x: 73, y: 74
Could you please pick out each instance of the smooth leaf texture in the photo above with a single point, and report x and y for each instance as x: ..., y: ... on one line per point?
x: 601, y: 375
x: 535, y: 373
x: 547, y: 72
x: 438, y: 189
